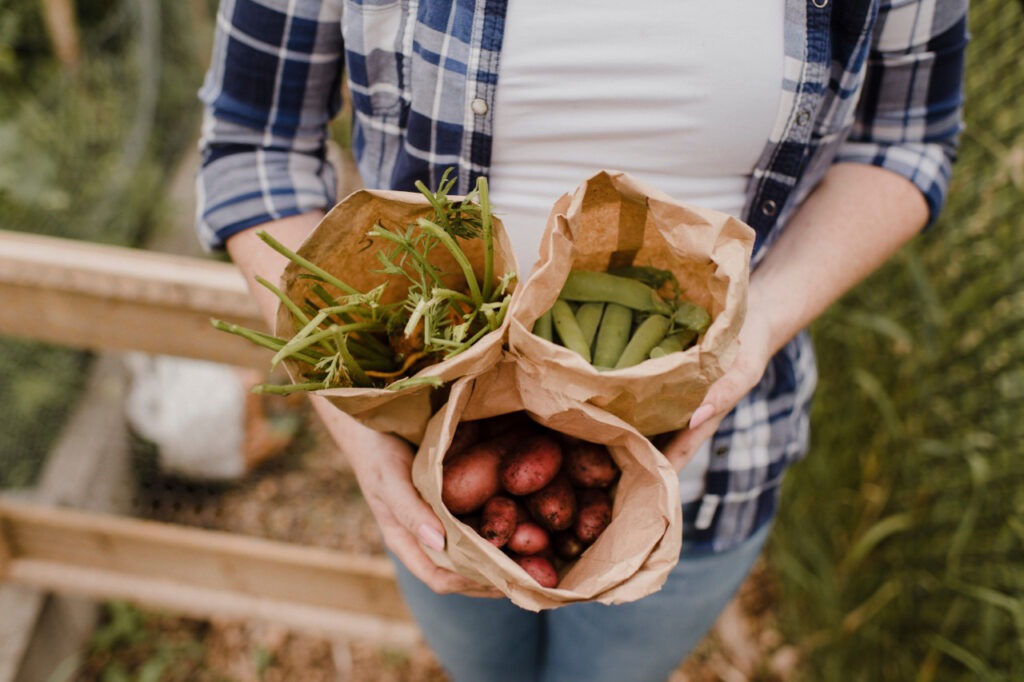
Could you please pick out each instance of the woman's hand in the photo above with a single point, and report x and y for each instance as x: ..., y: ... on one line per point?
x: 831, y: 244
x: 755, y: 350
x: 383, y: 465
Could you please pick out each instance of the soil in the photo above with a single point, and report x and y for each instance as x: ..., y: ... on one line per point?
x: 308, y: 495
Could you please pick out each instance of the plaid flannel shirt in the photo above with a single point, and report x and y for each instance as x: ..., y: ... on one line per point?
x: 871, y: 81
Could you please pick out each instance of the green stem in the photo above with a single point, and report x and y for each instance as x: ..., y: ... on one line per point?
x: 355, y: 370
x: 306, y: 264
x: 486, y: 228
x: 404, y: 244
x: 465, y: 345
x: 301, y: 342
x: 287, y: 302
x: 460, y: 258
x: 288, y: 389
x: 261, y: 339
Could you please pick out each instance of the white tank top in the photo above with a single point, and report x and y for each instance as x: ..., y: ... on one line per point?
x: 682, y: 95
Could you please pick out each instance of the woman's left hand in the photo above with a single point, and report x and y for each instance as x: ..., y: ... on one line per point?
x: 746, y: 371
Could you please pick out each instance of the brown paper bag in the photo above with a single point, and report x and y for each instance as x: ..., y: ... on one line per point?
x: 613, y: 220
x: 340, y: 245
x: 631, y: 558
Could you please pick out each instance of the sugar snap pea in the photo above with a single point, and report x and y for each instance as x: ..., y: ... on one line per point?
x: 589, y: 285
x: 673, y: 343
x: 648, y: 334
x: 568, y: 329
x: 542, y: 327
x: 588, y: 315
x: 691, y: 316
x: 612, y: 335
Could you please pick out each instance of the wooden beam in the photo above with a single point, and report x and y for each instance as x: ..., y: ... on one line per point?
x: 202, y: 573
x: 101, y: 297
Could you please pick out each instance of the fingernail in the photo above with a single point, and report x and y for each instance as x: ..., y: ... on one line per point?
x: 701, y: 415
x: 431, y: 537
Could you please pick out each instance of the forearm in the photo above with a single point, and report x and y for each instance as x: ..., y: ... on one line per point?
x: 857, y: 218
x: 853, y: 222
x: 255, y: 258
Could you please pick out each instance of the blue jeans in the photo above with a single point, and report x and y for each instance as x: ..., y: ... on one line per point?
x: 493, y: 640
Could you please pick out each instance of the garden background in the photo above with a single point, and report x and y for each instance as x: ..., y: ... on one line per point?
x: 899, y: 554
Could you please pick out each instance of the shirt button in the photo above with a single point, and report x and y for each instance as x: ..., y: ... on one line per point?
x: 479, y: 106
x: 802, y: 117
x: 721, y: 451
x: 769, y: 207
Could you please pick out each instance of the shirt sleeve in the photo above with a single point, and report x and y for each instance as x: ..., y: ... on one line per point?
x: 909, y: 117
x: 272, y: 88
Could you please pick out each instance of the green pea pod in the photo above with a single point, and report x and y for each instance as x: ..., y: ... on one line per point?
x: 569, y: 330
x: 588, y: 315
x: 648, y: 335
x: 673, y: 343
x: 612, y: 335
x: 542, y: 327
x: 590, y: 285
x: 691, y: 316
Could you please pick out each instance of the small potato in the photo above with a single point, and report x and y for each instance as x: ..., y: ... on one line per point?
x: 528, y: 538
x: 513, y: 424
x: 589, y: 465
x: 471, y: 520
x: 498, y: 520
x: 538, y: 568
x: 593, y: 514
x: 467, y: 434
x: 531, y: 465
x: 554, y: 505
x: 470, y: 478
x: 566, y: 545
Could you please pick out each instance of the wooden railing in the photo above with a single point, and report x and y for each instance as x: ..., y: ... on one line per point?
x: 110, y: 298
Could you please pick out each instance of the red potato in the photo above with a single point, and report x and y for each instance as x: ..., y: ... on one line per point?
x: 593, y: 514
x: 554, y: 505
x: 589, y: 465
x: 471, y: 520
x: 498, y: 520
x: 470, y: 478
x: 528, y: 538
x: 566, y: 545
x: 538, y: 568
x: 531, y: 465
x: 467, y: 434
x: 514, y: 423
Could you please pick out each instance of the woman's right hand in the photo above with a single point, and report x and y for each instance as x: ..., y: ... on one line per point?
x: 382, y: 463
x: 383, y: 466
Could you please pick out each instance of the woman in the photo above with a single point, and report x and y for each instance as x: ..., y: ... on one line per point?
x: 831, y: 130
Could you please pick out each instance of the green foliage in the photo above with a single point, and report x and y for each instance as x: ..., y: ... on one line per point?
x: 901, y: 542
x: 87, y: 153
x: 38, y: 387
x: 131, y: 645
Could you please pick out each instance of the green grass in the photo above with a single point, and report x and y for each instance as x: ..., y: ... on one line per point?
x: 901, y: 542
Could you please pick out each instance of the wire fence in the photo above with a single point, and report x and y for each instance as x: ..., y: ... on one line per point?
x: 901, y: 549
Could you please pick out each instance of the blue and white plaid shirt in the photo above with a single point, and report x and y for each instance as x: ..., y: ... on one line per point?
x: 871, y: 81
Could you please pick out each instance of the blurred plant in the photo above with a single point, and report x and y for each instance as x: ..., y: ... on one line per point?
x: 88, y: 153
x: 900, y: 546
